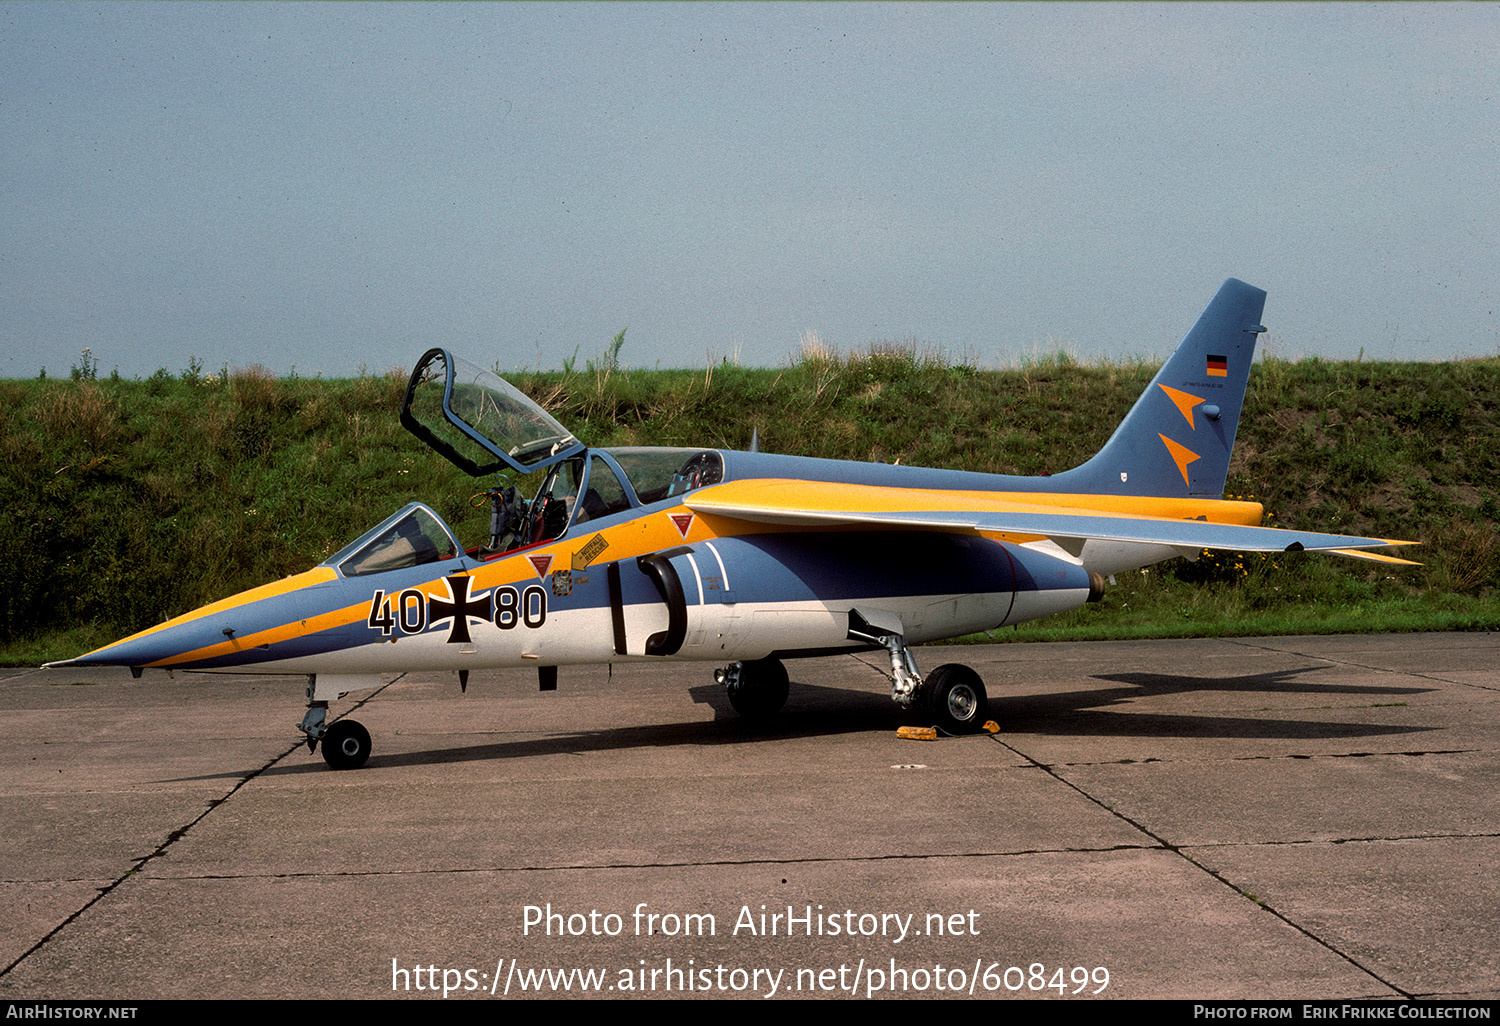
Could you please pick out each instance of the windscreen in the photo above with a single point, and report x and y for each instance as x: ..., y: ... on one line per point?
x: 411, y: 537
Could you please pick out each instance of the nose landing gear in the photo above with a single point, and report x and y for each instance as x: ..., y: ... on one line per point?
x: 346, y: 743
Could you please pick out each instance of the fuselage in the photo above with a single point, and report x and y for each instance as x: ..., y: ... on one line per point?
x: 653, y: 578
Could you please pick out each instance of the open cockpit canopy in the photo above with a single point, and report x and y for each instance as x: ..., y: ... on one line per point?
x: 478, y: 421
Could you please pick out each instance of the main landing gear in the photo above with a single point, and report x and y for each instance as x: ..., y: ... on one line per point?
x: 951, y: 697
x: 756, y: 689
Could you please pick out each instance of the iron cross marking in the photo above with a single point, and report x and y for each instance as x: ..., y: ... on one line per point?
x: 460, y: 609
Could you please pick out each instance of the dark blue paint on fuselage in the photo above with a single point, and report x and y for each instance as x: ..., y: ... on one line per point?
x: 856, y: 565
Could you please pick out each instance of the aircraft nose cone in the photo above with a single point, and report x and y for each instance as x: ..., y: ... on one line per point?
x: 233, y: 630
x: 153, y: 646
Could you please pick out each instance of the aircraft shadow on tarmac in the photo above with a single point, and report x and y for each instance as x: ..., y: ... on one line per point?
x: 1083, y: 713
x: 812, y: 711
x: 819, y: 710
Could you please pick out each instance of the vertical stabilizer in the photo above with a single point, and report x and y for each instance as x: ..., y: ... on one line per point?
x: 1178, y: 436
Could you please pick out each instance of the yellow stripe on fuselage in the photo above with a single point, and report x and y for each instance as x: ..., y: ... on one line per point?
x: 270, y: 636
x: 296, y: 582
x: 647, y: 533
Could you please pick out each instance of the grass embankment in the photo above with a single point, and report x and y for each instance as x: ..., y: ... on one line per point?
x: 125, y: 501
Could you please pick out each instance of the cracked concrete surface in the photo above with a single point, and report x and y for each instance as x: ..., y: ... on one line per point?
x: 1294, y: 818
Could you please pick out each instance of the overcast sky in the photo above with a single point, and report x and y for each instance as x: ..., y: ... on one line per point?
x: 337, y: 187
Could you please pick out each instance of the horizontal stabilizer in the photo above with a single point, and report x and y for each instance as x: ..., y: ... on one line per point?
x: 1378, y: 557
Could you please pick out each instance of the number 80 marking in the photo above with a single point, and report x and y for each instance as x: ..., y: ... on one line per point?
x: 530, y: 605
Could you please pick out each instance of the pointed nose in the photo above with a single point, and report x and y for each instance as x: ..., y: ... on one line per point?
x: 221, y: 631
x: 169, y: 643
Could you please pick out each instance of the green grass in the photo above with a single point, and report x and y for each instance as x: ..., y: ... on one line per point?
x: 1174, y: 610
x: 123, y: 502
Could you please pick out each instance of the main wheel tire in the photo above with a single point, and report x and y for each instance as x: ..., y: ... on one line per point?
x: 346, y: 745
x: 761, y: 689
x: 955, y: 699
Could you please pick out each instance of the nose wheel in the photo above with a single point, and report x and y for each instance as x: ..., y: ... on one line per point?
x: 346, y: 745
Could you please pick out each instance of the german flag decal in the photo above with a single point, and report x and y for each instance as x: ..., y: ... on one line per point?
x: 1218, y: 367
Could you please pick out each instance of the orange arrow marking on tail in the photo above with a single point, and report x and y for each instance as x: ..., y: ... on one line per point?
x: 1181, y: 455
x: 1184, y: 401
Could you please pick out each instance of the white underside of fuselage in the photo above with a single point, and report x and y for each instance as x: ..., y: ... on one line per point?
x: 715, y: 632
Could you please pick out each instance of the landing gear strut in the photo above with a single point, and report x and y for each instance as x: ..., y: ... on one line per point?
x: 951, y: 695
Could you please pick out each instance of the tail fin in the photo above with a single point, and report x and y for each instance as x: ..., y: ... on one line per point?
x: 1177, y: 438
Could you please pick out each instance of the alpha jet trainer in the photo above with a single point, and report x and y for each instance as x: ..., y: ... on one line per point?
x: 744, y: 559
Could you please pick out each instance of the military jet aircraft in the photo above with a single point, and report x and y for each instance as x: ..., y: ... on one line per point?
x: 741, y: 558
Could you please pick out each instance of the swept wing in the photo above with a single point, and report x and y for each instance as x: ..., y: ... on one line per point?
x: 803, y: 504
